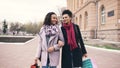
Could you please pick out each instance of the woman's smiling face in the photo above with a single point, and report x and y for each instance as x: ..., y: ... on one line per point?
x: 66, y: 18
x: 54, y: 19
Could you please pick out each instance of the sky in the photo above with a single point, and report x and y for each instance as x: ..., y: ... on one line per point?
x: 28, y: 10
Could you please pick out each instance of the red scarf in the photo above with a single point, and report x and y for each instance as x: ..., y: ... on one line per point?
x: 70, y: 35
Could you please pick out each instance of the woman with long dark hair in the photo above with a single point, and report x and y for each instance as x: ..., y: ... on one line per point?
x: 50, y: 42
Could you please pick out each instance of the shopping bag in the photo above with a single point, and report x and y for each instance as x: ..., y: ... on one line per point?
x: 35, y: 66
x: 93, y: 63
x: 87, y: 63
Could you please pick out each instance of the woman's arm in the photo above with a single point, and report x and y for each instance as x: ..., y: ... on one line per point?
x: 60, y: 40
x: 84, y: 52
x: 38, y: 51
x: 56, y: 46
x: 59, y: 44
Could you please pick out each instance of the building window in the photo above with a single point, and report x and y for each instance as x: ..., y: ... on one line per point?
x: 76, y: 20
x: 74, y: 5
x: 77, y: 4
x: 81, y: 1
x: 86, y: 17
x: 86, y: 20
x: 80, y: 19
x: 102, y: 15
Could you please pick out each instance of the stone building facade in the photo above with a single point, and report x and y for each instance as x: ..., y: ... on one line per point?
x: 97, y: 19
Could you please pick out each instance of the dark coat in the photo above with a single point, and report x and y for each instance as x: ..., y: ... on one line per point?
x: 72, y: 58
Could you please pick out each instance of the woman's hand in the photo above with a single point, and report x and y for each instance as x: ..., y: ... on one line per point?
x: 60, y: 43
x: 51, y: 49
x: 35, y: 61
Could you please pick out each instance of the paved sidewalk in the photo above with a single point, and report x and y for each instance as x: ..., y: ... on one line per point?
x: 21, y: 55
x: 104, y: 58
x: 15, y: 55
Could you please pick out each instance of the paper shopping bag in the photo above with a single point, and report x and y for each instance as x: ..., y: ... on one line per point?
x: 87, y: 63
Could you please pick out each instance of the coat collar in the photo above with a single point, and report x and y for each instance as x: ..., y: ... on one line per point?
x: 43, y: 37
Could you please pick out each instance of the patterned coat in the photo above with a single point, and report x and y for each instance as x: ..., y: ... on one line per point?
x: 42, y: 47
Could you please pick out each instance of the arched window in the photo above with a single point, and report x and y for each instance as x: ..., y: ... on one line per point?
x: 81, y: 1
x: 86, y: 18
x: 102, y: 15
x: 77, y: 4
x: 80, y: 21
x: 76, y: 20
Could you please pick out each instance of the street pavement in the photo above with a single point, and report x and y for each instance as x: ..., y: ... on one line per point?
x: 17, y: 55
x: 104, y: 58
x: 21, y: 55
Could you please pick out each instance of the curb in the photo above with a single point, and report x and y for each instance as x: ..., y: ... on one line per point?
x: 110, y: 50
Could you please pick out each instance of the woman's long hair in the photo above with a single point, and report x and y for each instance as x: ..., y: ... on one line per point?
x: 47, y: 20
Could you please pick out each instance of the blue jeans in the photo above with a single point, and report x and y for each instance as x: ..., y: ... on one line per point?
x: 48, y: 66
x: 76, y: 67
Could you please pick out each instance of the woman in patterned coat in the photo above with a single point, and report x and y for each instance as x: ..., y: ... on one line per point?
x: 50, y: 42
